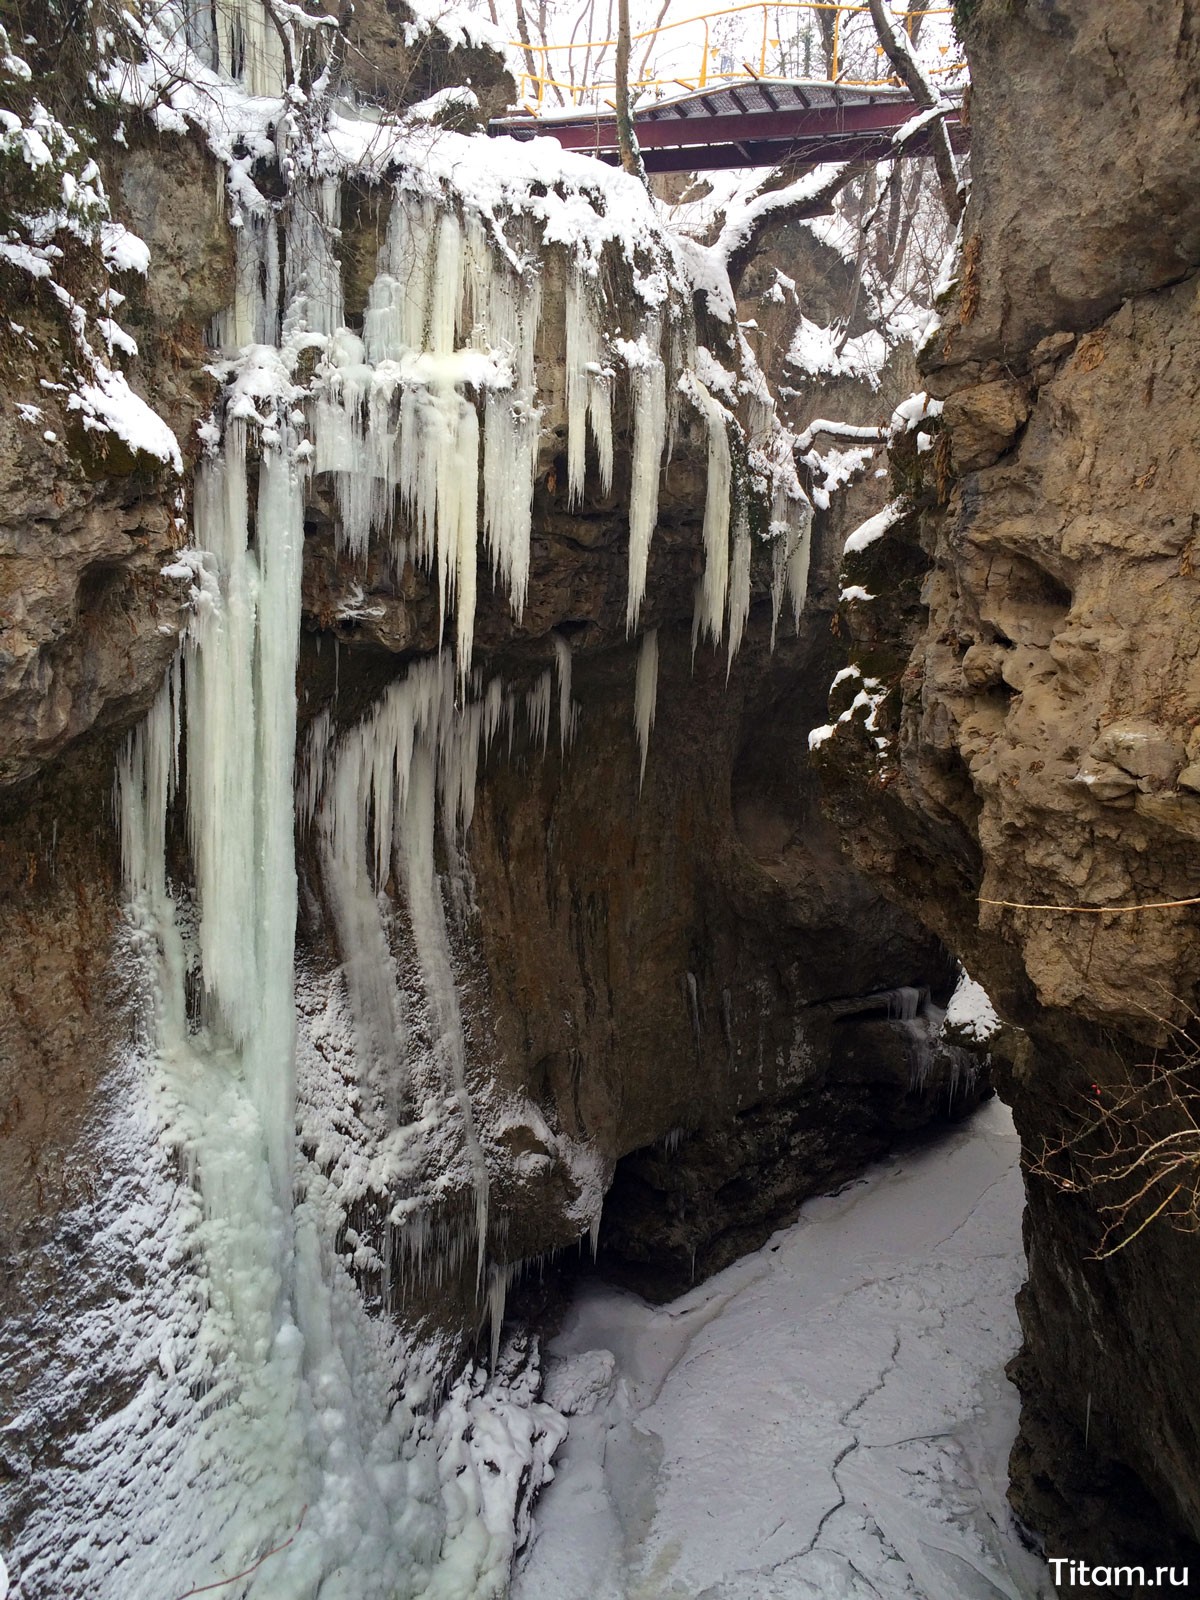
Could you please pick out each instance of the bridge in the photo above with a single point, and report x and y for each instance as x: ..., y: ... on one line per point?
x: 750, y: 100
x: 752, y: 125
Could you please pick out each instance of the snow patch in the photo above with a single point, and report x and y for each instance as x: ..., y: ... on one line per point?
x: 970, y: 1011
x: 875, y: 527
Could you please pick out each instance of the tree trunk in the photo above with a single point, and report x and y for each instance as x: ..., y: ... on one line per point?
x: 523, y: 35
x: 827, y: 21
x: 631, y: 156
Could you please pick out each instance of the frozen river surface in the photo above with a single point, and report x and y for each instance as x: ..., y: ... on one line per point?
x: 826, y: 1420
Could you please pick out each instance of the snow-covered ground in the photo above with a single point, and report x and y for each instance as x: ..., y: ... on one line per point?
x: 826, y: 1420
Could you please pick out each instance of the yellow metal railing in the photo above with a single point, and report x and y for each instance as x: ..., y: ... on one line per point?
x: 573, y: 91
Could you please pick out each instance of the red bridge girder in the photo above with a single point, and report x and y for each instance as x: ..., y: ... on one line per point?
x: 693, y: 135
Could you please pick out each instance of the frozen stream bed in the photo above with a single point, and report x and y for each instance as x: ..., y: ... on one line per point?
x: 828, y: 1419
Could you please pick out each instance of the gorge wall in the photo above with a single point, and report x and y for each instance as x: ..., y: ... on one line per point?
x: 630, y: 963
x: 1042, y: 606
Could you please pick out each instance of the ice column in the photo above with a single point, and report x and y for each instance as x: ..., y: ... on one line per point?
x: 739, y: 586
x: 649, y: 384
x: 709, y: 616
x: 224, y: 1074
x: 645, y: 696
x: 589, y: 389
x: 239, y: 673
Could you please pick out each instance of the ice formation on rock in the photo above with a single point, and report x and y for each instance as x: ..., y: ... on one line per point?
x: 308, y: 1418
x: 648, y: 376
x: 589, y: 386
x: 713, y: 588
x: 739, y: 585
x: 566, y: 708
x: 645, y: 696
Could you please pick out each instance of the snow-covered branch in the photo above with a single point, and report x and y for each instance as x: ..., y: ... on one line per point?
x: 839, y: 430
x: 927, y: 95
x: 812, y: 195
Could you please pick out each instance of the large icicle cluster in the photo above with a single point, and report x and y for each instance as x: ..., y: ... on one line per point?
x: 435, y: 401
x: 448, y: 317
x: 377, y: 794
x: 429, y: 420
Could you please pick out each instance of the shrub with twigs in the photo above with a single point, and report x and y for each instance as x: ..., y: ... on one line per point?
x: 1131, y: 1147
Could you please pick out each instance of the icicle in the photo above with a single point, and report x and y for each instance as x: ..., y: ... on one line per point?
x: 566, y: 712
x: 649, y: 381
x: 589, y: 389
x: 201, y: 34
x: 415, y: 852
x: 248, y: 47
x: 397, y: 302
x: 579, y: 328
x: 499, y: 1278
x: 253, y: 315
x: 789, y: 562
x: 313, y: 289
x: 458, y: 504
x: 507, y: 313
x: 709, y: 617
x: 537, y: 710
x: 798, y: 560
x: 147, y: 773
x: 510, y: 438
x: 739, y: 586
x: 394, y: 419
x: 600, y: 420
x: 446, y: 298
x: 417, y: 754
x: 693, y: 999
x: 645, y: 696
x: 780, y: 553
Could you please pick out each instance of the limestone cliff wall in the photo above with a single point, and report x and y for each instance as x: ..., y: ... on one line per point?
x: 1042, y: 611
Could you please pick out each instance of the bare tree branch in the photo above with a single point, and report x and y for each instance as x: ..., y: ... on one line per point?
x: 909, y: 71
x: 1123, y: 1145
x: 523, y: 35
x: 777, y: 204
x: 653, y: 39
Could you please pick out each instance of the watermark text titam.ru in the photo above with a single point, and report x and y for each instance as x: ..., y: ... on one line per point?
x: 1082, y: 1575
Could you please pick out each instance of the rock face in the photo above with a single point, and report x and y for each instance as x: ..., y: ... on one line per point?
x: 1042, y: 611
x: 86, y: 525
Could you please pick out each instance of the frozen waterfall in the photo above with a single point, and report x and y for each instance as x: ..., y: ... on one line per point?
x: 310, y: 1448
